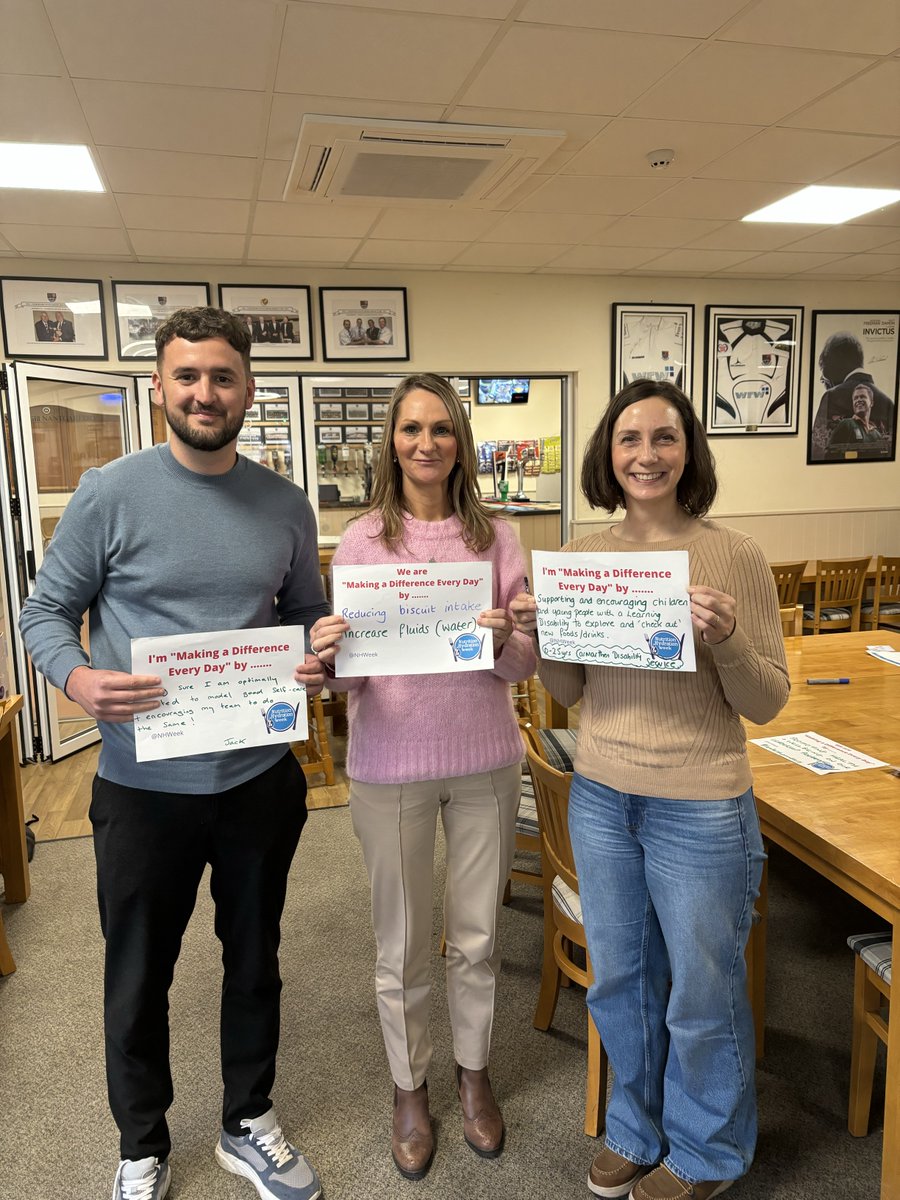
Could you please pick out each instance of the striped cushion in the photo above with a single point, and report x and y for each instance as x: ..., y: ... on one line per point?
x: 567, y: 901
x: 876, y: 950
x: 827, y: 614
x: 889, y: 610
x: 526, y: 818
x: 559, y: 747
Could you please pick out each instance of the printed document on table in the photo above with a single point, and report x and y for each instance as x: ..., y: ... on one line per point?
x: 413, y: 618
x: 224, y: 690
x: 616, y: 610
x: 885, y: 653
x: 817, y: 753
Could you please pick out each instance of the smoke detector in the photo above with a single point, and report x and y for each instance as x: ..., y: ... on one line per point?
x: 660, y: 159
x: 411, y: 162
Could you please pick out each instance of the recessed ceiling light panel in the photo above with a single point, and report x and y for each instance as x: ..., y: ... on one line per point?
x: 46, y: 167
x: 825, y: 205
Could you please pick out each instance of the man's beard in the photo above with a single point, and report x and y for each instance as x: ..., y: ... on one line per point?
x: 203, y: 439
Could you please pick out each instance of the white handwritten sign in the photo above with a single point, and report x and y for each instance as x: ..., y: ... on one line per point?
x: 414, y: 619
x: 818, y: 754
x: 618, y: 610
x: 223, y: 690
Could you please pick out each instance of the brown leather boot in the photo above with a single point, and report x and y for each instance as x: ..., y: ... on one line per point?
x: 412, y: 1138
x: 482, y: 1123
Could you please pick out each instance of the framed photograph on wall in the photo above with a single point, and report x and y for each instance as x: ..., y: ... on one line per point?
x: 364, y: 323
x: 53, y: 318
x: 329, y: 412
x: 752, y: 369
x: 356, y: 412
x: 142, y: 307
x: 279, y: 318
x: 854, y: 386
x: 653, y: 341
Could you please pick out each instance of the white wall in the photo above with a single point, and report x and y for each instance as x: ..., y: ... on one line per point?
x: 485, y: 323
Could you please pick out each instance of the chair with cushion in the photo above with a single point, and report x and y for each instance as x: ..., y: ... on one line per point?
x: 563, y: 926
x: 838, y: 596
x: 314, y: 754
x: 556, y: 746
x: 871, y: 1009
x: 788, y: 577
x: 525, y: 701
x: 883, y: 610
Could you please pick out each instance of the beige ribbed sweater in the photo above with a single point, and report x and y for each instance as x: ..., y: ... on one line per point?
x: 658, y: 733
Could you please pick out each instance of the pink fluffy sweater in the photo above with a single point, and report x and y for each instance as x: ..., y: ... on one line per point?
x: 410, y: 727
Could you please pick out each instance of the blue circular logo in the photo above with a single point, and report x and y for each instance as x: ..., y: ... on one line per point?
x: 467, y: 646
x: 665, y: 644
x: 281, y: 717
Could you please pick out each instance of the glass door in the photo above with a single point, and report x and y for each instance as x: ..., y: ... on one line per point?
x: 58, y: 422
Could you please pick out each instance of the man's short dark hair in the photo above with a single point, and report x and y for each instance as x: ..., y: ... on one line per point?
x: 841, y: 354
x: 697, y: 486
x: 200, y: 324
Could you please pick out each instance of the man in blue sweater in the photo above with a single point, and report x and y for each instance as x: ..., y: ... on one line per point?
x: 187, y: 537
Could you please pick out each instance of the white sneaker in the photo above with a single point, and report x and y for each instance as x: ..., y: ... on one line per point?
x: 142, y: 1179
x: 276, y: 1169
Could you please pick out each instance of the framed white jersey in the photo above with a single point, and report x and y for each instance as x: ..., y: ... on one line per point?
x: 752, y: 370
x: 653, y: 341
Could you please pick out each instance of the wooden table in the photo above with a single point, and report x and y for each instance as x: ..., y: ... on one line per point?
x: 13, y: 854
x: 845, y: 826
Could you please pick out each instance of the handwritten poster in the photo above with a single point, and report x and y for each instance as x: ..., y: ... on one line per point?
x: 414, y: 619
x: 818, y: 754
x: 615, y: 610
x: 224, y: 690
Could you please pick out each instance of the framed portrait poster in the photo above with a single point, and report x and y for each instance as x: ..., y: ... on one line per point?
x: 53, y: 318
x: 653, y: 341
x: 752, y: 369
x: 854, y: 386
x: 142, y: 307
x: 364, y: 323
x: 279, y: 318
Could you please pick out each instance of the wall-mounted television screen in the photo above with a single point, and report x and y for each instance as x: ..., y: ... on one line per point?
x: 503, y: 391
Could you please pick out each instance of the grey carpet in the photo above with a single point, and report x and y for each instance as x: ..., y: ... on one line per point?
x: 333, y: 1092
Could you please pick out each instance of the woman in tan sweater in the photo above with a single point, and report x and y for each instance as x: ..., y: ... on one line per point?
x: 662, y: 817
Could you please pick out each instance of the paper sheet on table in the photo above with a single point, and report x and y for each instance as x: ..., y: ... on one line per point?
x: 885, y: 653
x: 413, y: 618
x: 618, y: 610
x: 224, y: 690
x: 818, y: 754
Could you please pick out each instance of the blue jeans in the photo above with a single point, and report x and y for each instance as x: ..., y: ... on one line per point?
x: 667, y: 890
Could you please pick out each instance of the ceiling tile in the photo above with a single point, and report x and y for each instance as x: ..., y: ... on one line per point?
x: 313, y: 220
x: 327, y: 49
x: 153, y: 243
x: 183, y: 213
x: 881, y: 262
x: 496, y: 9
x: 516, y: 74
x: 550, y: 228
x: 272, y: 181
x: 724, y: 199
x: 576, y: 194
x: 848, y: 239
x: 506, y: 254
x: 472, y: 269
x: 159, y: 173
x: 865, y: 105
x: 288, y: 111
x: 607, y: 257
x: 699, y: 260
x: 750, y: 85
x: 785, y: 262
x: 60, y: 239
x: 793, y: 156
x: 38, y: 108
x: 687, y: 18
x: 26, y: 27
x: 214, y: 42
x: 881, y: 217
x: 407, y: 253
x: 579, y: 128
x: 653, y: 231
x: 623, y: 146
x: 440, y: 225
x: 881, y: 171
x: 869, y: 27
x: 861, y: 264
x: 301, y: 249
x: 26, y: 207
x: 156, y: 117
x: 750, y: 235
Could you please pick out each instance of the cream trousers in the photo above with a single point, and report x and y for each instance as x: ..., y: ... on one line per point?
x: 396, y: 825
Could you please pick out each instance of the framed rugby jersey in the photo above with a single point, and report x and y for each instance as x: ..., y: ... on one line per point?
x: 653, y: 341
x: 752, y: 369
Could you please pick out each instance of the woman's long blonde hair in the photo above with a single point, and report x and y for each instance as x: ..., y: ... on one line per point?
x: 462, y: 485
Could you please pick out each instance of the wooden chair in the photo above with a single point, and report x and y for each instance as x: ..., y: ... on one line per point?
x: 788, y: 577
x: 883, y: 610
x: 334, y: 704
x: 563, y: 927
x: 314, y: 754
x: 839, y: 587
x: 525, y: 701
x: 871, y: 995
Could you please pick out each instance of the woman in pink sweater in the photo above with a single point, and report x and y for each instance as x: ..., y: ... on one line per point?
x: 427, y: 744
